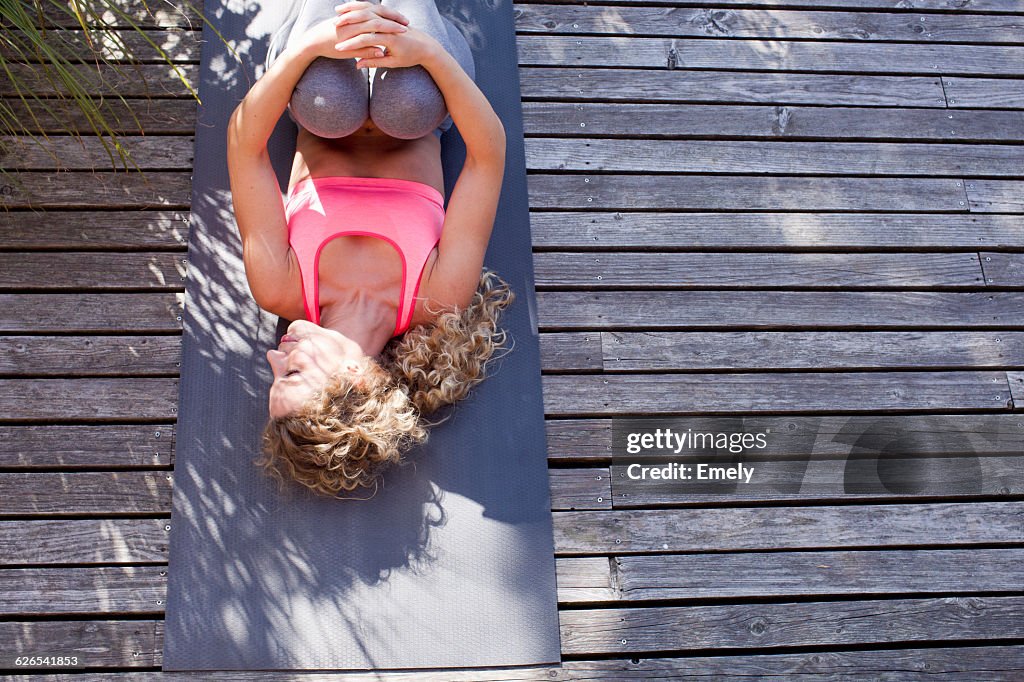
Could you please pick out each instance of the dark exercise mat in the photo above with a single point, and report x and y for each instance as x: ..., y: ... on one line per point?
x: 451, y: 564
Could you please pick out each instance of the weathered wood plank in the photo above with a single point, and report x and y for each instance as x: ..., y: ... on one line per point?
x: 178, y: 44
x: 67, y: 152
x: 822, y: 437
x: 55, y: 400
x: 563, y: 310
x: 765, y: 156
x: 168, y: 14
x: 981, y: 93
x: 952, y: 664
x: 119, y: 492
x: 92, y: 270
x: 660, y: 85
x: 86, y: 446
x: 831, y: 231
x: 89, y: 355
x: 579, y: 440
x: 882, y: 477
x: 108, y: 643
x: 584, y: 579
x: 1016, y: 381
x: 773, y: 23
x: 570, y: 351
x: 745, y: 270
x: 95, y: 230
x: 100, y: 590
x: 790, y: 55
x: 86, y: 541
x: 799, y: 624
x: 137, y: 492
x: 130, y: 117
x: 799, y: 391
x: 811, y: 574
x: 588, y: 119
x: 996, y: 196
x: 637, y: 192
x: 809, y: 350
x: 994, y: 6
x: 137, y: 589
x: 126, y: 80
x: 111, y: 190
x: 87, y: 313
x: 1003, y: 269
x: 775, y: 528
x: 146, y: 13
x: 580, y: 489
x: 589, y: 579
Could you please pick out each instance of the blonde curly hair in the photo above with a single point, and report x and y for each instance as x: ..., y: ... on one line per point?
x: 349, y: 433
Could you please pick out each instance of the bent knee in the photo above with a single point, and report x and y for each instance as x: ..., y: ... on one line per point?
x: 331, y: 99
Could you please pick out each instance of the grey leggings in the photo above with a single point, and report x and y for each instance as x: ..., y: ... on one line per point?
x: 333, y: 98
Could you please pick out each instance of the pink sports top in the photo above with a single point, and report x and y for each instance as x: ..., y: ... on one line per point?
x: 407, y: 214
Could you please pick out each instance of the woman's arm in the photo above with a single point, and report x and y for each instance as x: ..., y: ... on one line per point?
x: 270, y: 266
x: 468, y: 222
x: 472, y: 207
x: 479, y: 127
x: 469, y: 218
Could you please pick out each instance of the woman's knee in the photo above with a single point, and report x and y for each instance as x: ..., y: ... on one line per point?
x: 331, y: 99
x: 406, y: 102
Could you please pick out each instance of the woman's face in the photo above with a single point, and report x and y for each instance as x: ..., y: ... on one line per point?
x: 306, y: 358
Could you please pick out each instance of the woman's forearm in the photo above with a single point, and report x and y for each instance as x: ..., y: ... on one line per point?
x: 254, y: 118
x: 479, y: 126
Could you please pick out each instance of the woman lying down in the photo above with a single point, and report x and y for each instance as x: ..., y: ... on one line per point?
x: 394, y: 314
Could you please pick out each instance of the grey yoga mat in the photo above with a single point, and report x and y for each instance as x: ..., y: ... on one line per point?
x: 451, y: 564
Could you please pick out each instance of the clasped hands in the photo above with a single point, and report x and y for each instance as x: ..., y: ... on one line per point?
x: 362, y: 29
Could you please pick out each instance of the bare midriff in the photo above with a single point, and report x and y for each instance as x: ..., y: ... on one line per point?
x: 368, y: 153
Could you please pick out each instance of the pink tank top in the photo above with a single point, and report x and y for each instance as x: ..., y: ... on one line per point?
x: 407, y: 214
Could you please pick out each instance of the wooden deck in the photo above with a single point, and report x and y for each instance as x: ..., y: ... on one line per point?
x: 791, y: 210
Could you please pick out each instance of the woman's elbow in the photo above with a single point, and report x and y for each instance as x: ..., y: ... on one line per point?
x: 232, y: 134
x: 237, y: 137
x: 493, y: 147
x: 271, y: 300
x: 500, y: 140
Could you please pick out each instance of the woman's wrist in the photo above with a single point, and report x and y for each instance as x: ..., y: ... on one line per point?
x: 438, y: 59
x: 302, y: 51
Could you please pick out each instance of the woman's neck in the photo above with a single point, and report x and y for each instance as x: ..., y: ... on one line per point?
x: 364, y: 322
